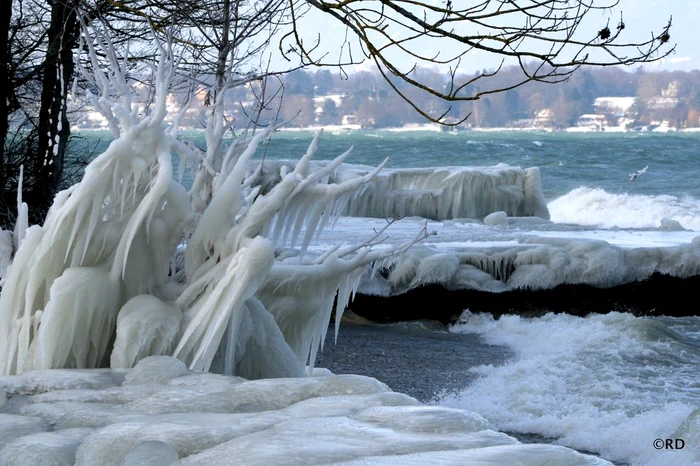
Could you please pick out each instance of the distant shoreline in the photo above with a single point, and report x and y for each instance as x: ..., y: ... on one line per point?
x: 434, y: 128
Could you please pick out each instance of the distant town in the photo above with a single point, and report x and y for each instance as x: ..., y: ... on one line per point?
x: 601, y: 100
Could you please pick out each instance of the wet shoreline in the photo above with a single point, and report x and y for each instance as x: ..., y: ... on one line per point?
x: 421, y: 359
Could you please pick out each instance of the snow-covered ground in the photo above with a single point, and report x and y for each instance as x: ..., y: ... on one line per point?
x: 160, y: 413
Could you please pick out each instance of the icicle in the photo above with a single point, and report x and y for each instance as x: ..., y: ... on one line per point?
x: 244, y: 275
x: 22, y: 222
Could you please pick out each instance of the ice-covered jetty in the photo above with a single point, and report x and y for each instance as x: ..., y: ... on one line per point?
x: 521, y: 264
x: 433, y: 193
x: 537, y: 264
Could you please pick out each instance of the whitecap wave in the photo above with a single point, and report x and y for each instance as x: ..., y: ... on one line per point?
x: 597, y: 207
x: 605, y: 383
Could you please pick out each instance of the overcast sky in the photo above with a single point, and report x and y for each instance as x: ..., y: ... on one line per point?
x: 641, y: 18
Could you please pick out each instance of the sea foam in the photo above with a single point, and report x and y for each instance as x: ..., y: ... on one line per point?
x: 606, y: 383
x: 597, y: 207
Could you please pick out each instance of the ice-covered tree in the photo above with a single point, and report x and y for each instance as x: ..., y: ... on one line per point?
x: 97, y: 283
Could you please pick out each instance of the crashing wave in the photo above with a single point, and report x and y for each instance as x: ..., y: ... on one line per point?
x: 596, y: 207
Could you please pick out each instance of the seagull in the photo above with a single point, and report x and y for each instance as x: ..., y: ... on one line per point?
x: 633, y: 176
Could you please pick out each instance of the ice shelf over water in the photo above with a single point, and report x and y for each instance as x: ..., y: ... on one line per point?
x: 436, y: 193
x: 161, y: 411
x: 520, y: 253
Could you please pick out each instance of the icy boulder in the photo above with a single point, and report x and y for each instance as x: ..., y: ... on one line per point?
x: 435, y: 193
x: 13, y: 426
x: 45, y: 448
x: 156, y: 369
x: 151, y: 454
x: 669, y: 224
x: 496, y: 218
x: 426, y: 419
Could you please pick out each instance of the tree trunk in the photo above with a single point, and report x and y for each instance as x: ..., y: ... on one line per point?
x: 54, y: 128
x: 5, y: 81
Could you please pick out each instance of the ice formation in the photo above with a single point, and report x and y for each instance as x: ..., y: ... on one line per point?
x: 435, y: 193
x: 94, y: 285
x: 496, y: 218
x: 191, y: 418
x: 11, y: 240
x: 668, y: 224
x: 537, y: 263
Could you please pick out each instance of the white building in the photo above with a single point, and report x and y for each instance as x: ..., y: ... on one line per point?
x: 591, y: 120
x: 544, y: 118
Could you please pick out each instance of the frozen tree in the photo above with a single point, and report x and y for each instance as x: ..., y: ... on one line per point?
x: 94, y: 285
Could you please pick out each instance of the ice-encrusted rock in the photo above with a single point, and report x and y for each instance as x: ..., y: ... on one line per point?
x: 521, y: 455
x: 33, y: 382
x: 669, y: 224
x: 13, y: 426
x: 330, y: 439
x: 253, y: 396
x: 496, y: 218
x: 75, y: 415
x: 536, y: 263
x: 156, y: 369
x: 319, y: 372
x: 46, y: 448
x: 151, y: 453
x: 428, y: 419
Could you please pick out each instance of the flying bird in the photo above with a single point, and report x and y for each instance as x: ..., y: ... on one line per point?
x: 633, y: 176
